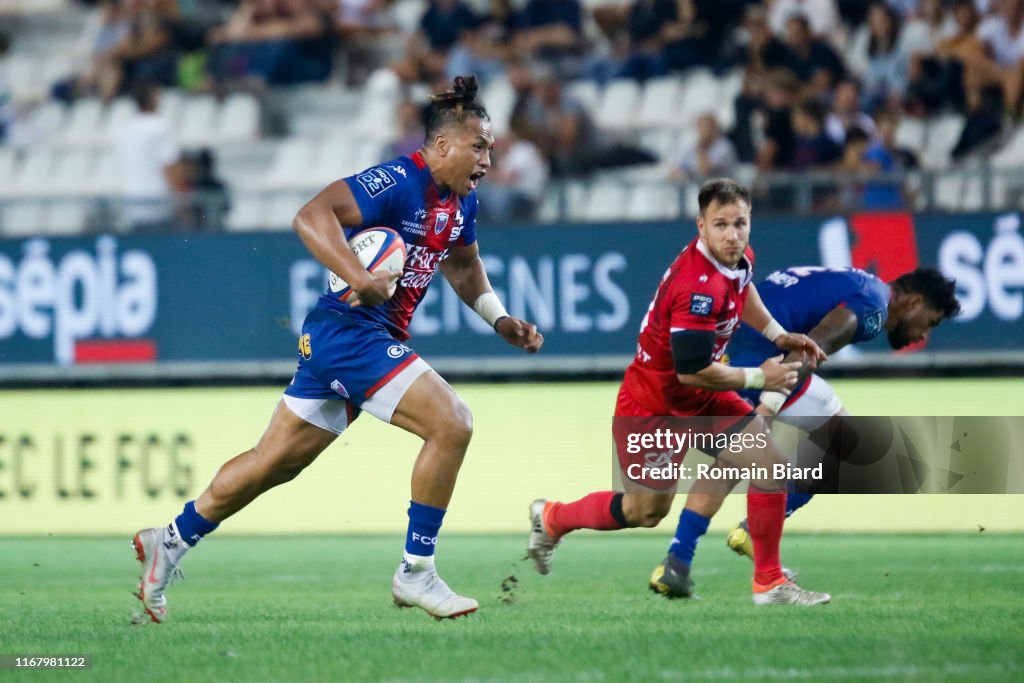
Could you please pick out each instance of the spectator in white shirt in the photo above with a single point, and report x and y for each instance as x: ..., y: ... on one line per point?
x: 515, y: 186
x: 712, y: 154
x: 151, y: 168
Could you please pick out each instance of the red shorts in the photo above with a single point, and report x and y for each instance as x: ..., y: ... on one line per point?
x: 631, y: 419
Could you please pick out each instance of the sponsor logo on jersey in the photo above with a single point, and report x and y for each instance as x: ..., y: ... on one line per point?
x: 398, y: 350
x: 376, y: 180
x: 305, y: 349
x: 440, y: 223
x: 421, y: 215
x: 414, y: 227
x: 873, y: 323
x: 701, y: 304
x: 339, y: 388
x: 703, y: 278
x: 397, y: 169
x: 457, y: 226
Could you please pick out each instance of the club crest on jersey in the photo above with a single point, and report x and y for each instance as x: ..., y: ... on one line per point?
x: 339, y: 388
x: 440, y: 223
x: 376, y: 180
x: 701, y: 304
x: 873, y: 323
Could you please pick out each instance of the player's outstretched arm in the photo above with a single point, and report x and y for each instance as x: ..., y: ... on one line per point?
x: 692, y: 356
x: 757, y: 315
x: 318, y: 225
x: 464, y: 270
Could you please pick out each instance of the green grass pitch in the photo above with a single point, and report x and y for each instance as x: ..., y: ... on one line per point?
x: 906, y: 607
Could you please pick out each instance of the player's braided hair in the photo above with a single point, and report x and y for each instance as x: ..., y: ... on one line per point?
x: 938, y: 291
x: 722, y: 190
x: 455, y: 105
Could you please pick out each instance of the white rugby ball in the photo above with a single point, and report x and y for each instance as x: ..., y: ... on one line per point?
x: 379, y: 250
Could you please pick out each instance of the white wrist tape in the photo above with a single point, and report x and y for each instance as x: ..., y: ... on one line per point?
x: 753, y: 378
x: 489, y: 307
x: 773, y: 400
x: 773, y: 329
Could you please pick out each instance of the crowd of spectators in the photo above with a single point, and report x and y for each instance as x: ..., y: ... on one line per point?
x: 825, y: 82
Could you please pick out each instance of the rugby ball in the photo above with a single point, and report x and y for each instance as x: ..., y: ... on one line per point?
x: 379, y: 250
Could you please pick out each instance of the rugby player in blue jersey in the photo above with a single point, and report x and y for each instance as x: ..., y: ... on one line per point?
x: 353, y: 358
x: 836, y: 307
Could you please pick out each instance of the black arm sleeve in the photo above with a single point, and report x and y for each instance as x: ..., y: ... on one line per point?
x: 691, y: 350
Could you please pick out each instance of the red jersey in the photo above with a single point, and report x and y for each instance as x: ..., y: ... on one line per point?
x: 696, y: 293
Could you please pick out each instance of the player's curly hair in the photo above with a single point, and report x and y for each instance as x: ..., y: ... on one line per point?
x: 722, y: 190
x: 455, y: 105
x: 938, y: 290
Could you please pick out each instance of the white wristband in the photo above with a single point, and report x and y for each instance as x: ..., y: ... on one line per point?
x: 753, y: 378
x: 773, y: 400
x: 489, y: 307
x: 773, y: 329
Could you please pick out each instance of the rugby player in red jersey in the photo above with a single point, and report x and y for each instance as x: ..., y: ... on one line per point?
x: 677, y: 371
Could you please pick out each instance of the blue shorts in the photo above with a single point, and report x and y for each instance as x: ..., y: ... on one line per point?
x: 347, y: 365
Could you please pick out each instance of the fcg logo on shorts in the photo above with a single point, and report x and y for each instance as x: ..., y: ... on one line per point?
x: 305, y: 349
x: 398, y: 350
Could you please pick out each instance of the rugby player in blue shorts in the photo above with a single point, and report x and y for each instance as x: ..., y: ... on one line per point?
x: 354, y: 358
x: 836, y: 307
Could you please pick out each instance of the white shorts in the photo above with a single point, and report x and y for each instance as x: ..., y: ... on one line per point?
x: 813, y: 407
x: 334, y: 415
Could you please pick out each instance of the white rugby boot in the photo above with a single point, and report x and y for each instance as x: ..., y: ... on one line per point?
x: 541, y: 546
x: 157, y: 572
x: 420, y: 586
x: 788, y: 593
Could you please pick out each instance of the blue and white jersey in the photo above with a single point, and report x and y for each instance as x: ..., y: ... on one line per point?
x: 401, y: 194
x: 800, y: 297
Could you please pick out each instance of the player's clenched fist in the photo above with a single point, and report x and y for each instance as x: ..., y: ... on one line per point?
x: 779, y: 376
x: 801, y: 343
x: 520, y: 333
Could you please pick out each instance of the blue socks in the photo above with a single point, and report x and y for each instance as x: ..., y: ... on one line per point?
x: 424, y: 525
x: 193, y: 526
x: 795, y: 501
x: 691, y: 527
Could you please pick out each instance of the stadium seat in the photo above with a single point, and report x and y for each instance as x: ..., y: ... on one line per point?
x: 500, y: 98
x: 653, y: 201
x: 106, y: 177
x: 281, y: 209
x: 248, y: 212
x: 198, y: 123
x: 379, y: 103
x: 35, y: 174
x: 943, y: 133
x: 588, y: 94
x: 659, y: 102
x: 239, y: 118
x: 118, y: 112
x: 85, y: 123
x: 910, y: 133
x: 700, y: 95
x: 729, y: 87
x: 608, y: 201
x: 22, y: 218
x: 618, y: 106
x: 949, y: 190
x: 8, y: 169
x: 66, y: 217
x: 291, y: 167
x: 23, y: 79
x: 170, y: 105
x: 73, y: 169
x: 577, y: 196
x: 662, y: 142
x: 1012, y: 153
x: 47, y: 119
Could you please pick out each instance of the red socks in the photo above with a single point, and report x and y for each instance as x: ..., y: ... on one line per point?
x: 593, y: 511
x: 766, y: 513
